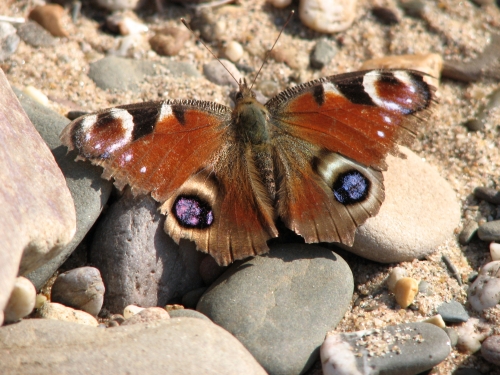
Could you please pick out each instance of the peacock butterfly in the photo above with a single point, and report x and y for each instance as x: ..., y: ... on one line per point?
x: 311, y: 156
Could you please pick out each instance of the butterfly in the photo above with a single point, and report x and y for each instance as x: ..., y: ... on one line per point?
x: 312, y: 156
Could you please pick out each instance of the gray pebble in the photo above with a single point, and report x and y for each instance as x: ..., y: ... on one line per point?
x: 35, y: 35
x: 453, y: 312
x: 405, y: 349
x: 81, y: 288
x: 323, y: 52
x: 453, y: 335
x: 489, y: 231
x: 216, y: 73
x: 474, y: 125
x: 188, y: 313
x: 9, y: 40
x: 280, y: 305
x: 487, y: 194
x: 468, y: 232
x: 117, y: 73
x: 191, y: 298
x: 490, y: 349
x: 178, y: 68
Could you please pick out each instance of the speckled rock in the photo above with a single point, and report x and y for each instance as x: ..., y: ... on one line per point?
x: 405, y: 349
x: 420, y: 212
x: 174, y: 346
x: 147, y: 315
x: 327, y: 16
x: 41, y: 216
x: 293, y: 295
x: 453, y: 312
x: 484, y: 292
x: 88, y: 190
x: 34, y: 34
x: 490, y: 349
x: 139, y: 263
x: 322, y: 53
x: 56, y: 311
x: 81, y: 288
x: 21, y: 301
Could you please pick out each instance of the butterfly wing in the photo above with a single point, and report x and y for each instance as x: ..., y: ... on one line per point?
x: 340, y: 129
x: 183, y: 153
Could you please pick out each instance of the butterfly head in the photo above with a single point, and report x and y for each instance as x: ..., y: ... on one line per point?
x: 245, y: 92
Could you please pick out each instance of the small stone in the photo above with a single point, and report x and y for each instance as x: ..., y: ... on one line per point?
x: 169, y: 41
x: 216, y: 73
x: 469, y: 230
x: 35, y: 35
x: 233, y: 51
x: 173, y: 307
x: 22, y: 300
x: 188, y: 313
x: 430, y: 64
x: 131, y: 310
x: 327, y: 16
x: 147, y: 316
x: 489, y: 231
x: 9, y: 40
x: 470, y: 337
x: 453, y: 335
x: 40, y: 300
x: 124, y: 25
x: 56, y: 311
x: 385, y: 16
x: 453, y: 312
x: 36, y: 95
x: 409, y: 348
x: 396, y: 274
x: 485, y: 290
x: 405, y: 291
x: 487, y: 194
x: 425, y: 288
x: 495, y: 251
x: 116, y: 5
x: 322, y: 54
x: 474, y: 125
x: 50, y: 17
x: 81, y: 288
x: 209, y: 25
x: 437, y: 320
x: 118, y: 318
x: 292, y: 57
x: 490, y: 349
x: 279, y: 3
x: 191, y: 298
x: 268, y: 88
x: 209, y: 270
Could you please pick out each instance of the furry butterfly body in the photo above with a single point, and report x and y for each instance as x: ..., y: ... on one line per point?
x: 311, y: 156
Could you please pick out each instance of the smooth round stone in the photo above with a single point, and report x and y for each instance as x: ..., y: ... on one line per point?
x: 56, y: 311
x: 495, y: 251
x: 322, y: 54
x: 22, y: 300
x: 485, y: 290
x: 490, y: 349
x: 327, y: 16
x: 405, y: 291
x: 396, y: 274
x: 233, y: 51
x: 81, y: 288
x: 115, y: 5
x: 405, y: 349
x: 453, y: 312
x: 188, y: 313
x: 184, y: 346
x: 131, y: 310
x: 453, y: 335
x: 191, y: 298
x: 488, y: 194
x: 50, y: 17
x: 35, y: 35
x: 280, y: 305
x: 147, y: 316
x: 280, y: 3
x: 489, y: 231
x: 216, y: 73
x: 420, y: 212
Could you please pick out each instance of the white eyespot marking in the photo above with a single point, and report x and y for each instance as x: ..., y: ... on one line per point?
x: 165, y: 111
x: 405, y: 78
x: 127, y: 123
x: 387, y: 119
x: 98, y: 146
x: 409, y: 101
x: 329, y: 87
x: 86, y: 125
x: 370, y: 85
x: 128, y: 157
x: 380, y: 133
x: 143, y: 170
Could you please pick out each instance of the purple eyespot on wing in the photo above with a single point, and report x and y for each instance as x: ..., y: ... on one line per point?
x: 192, y: 212
x: 351, y: 187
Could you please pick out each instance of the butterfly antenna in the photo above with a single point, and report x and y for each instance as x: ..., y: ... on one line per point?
x: 208, y: 49
x: 268, y: 53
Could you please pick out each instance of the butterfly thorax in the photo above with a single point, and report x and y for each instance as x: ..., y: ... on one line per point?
x: 250, y: 117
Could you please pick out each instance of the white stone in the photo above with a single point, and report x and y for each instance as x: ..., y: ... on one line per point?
x: 396, y: 274
x: 485, y: 290
x: 233, y: 51
x: 495, y: 251
x: 337, y: 357
x: 131, y: 310
x: 36, y: 95
x: 21, y: 301
x: 56, y: 311
x: 280, y: 3
x: 327, y: 16
x: 437, y: 320
x: 469, y: 337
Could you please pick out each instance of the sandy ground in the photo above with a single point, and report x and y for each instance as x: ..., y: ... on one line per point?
x: 458, y: 30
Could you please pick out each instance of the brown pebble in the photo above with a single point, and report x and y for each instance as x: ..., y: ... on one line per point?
x: 169, y: 41
x: 405, y: 291
x: 149, y: 314
x: 50, y: 16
